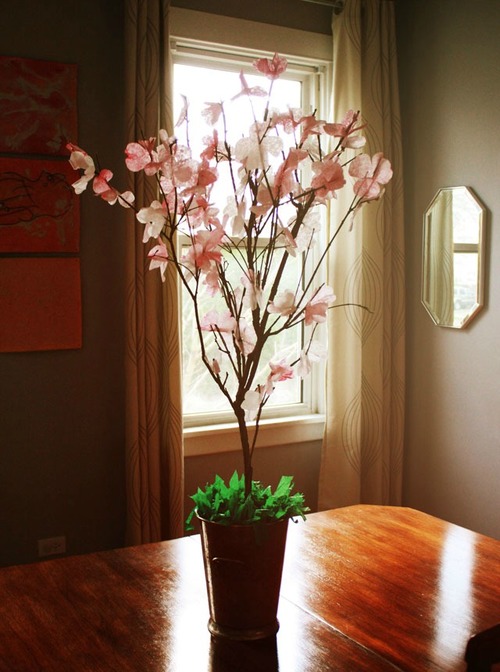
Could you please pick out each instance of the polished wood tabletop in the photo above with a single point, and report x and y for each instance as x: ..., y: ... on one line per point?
x: 365, y: 588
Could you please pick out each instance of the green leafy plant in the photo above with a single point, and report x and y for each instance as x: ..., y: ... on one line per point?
x: 231, y: 505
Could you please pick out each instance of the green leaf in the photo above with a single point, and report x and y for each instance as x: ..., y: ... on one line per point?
x: 229, y: 504
x: 284, y: 486
x: 234, y: 483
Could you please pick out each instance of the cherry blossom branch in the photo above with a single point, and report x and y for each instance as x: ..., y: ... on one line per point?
x: 269, y: 217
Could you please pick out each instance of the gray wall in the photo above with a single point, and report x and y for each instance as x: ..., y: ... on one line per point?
x: 62, y: 413
x: 449, y: 55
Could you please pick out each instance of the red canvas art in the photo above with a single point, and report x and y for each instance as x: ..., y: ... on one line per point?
x: 38, y: 112
x: 39, y: 211
x: 40, y: 304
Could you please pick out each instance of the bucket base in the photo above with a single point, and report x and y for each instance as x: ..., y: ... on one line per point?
x: 248, y: 635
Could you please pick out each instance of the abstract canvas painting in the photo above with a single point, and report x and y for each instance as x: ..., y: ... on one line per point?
x: 38, y: 209
x: 40, y: 288
x: 38, y: 113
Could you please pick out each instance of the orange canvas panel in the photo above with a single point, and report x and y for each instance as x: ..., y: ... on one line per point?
x: 39, y: 211
x: 40, y: 304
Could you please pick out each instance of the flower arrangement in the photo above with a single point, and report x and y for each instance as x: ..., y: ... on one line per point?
x: 280, y: 175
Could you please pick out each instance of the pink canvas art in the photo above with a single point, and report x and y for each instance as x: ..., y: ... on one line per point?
x: 38, y: 112
x: 38, y: 209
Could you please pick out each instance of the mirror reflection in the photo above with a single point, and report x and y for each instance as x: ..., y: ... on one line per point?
x: 452, y: 282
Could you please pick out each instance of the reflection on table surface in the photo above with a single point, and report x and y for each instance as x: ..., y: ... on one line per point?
x: 364, y: 588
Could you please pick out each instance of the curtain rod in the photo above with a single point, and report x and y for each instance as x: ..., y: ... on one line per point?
x: 334, y: 4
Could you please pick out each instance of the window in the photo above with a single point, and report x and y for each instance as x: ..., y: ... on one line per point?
x: 208, y: 72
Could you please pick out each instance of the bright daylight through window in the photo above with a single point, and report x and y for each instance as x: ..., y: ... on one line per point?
x: 201, y: 80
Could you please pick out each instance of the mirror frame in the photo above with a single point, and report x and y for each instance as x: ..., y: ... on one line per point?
x: 439, y: 320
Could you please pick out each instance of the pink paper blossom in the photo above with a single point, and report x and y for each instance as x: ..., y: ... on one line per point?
x: 245, y: 337
x: 346, y: 129
x: 371, y: 174
x: 252, y: 401
x: 211, y: 113
x: 143, y: 155
x: 211, y: 146
x: 205, y: 250
x: 185, y: 172
x: 247, y: 90
x: 199, y: 212
x: 283, y: 304
x: 280, y: 371
x: 271, y: 68
x: 200, y: 176
x: 126, y: 199
x: 234, y: 217
x: 81, y: 184
x: 76, y: 152
x: 109, y: 194
x: 315, y: 352
x: 310, y: 126
x: 288, y: 120
x: 305, y: 236
x: 265, y: 201
x: 183, y: 115
x: 283, y: 232
x: 207, y: 175
x: 154, y: 218
x: 159, y: 258
x: 328, y: 177
x: 253, y: 291
x: 285, y: 181
x: 253, y: 151
x: 102, y: 188
x: 220, y: 322
x: 315, y: 310
x: 211, y: 281
x: 137, y: 156
x: 80, y: 160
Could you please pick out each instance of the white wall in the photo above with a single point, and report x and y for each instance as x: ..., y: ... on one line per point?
x: 449, y: 55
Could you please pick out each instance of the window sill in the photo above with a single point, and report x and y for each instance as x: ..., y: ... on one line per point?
x: 224, y: 438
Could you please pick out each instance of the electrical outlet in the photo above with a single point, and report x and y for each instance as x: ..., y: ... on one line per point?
x: 51, y: 546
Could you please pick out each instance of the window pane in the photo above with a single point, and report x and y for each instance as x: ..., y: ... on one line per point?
x: 200, y: 392
x: 201, y: 85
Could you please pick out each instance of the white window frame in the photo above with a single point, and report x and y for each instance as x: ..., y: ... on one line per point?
x: 196, y: 35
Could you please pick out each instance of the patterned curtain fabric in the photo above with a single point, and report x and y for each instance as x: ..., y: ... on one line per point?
x: 154, y: 454
x: 363, y: 445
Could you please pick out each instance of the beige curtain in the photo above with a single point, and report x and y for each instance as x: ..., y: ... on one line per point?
x: 363, y: 445
x: 154, y: 457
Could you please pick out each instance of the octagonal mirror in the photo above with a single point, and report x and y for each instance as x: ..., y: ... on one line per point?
x: 453, y: 257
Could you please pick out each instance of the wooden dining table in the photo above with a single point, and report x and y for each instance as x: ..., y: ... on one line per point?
x: 365, y: 588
